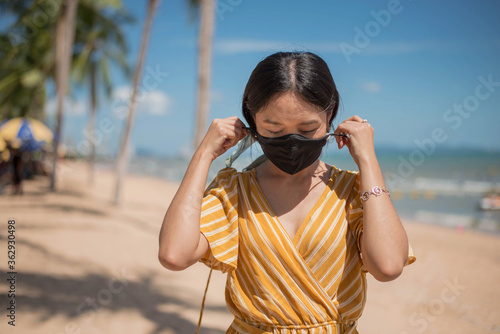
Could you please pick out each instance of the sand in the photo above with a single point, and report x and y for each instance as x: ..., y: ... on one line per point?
x: 85, y: 265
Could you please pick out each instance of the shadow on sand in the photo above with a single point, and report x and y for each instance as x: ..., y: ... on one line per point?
x: 79, y: 299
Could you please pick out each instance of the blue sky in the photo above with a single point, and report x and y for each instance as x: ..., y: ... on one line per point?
x: 405, y: 76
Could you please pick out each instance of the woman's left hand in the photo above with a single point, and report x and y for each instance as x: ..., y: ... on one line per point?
x: 360, y: 141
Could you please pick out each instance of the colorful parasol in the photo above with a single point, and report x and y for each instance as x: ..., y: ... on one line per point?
x: 26, y: 133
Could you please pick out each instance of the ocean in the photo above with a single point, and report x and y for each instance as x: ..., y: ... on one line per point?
x: 444, y: 187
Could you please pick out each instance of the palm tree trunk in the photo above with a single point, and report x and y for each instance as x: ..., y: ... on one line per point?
x: 65, y: 32
x: 42, y: 97
x: 207, y: 26
x: 37, y: 111
x: 123, y: 156
x: 35, y: 104
x: 92, y: 120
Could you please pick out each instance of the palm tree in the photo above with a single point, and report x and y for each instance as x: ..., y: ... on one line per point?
x: 65, y: 30
x: 207, y: 27
x: 98, y: 42
x: 123, y: 156
x: 25, y: 62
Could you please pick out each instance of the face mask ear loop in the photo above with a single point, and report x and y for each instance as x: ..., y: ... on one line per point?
x: 337, y: 134
x: 242, y: 146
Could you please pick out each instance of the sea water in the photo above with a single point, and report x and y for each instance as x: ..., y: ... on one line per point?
x: 445, y: 187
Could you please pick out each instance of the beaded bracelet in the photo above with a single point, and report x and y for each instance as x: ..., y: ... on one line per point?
x: 377, y: 191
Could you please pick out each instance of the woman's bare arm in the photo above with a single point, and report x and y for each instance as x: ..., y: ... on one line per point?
x: 181, y: 243
x: 180, y: 233
x: 384, y: 243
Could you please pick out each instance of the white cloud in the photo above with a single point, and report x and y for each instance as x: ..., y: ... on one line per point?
x: 121, y: 93
x: 402, y: 47
x: 217, y: 96
x: 71, y: 107
x: 234, y: 46
x: 153, y: 102
x: 371, y: 86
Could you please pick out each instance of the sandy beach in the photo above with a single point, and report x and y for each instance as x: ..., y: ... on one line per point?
x: 86, y: 266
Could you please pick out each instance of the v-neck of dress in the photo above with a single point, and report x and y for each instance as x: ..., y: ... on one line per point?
x: 306, y: 221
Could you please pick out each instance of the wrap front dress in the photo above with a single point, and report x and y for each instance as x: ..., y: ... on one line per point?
x: 313, y: 283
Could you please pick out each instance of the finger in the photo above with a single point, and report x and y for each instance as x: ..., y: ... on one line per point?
x: 342, y: 133
x: 233, y: 135
x: 228, y: 142
x: 241, y: 126
x: 230, y: 121
x: 226, y: 134
x: 339, y: 140
x: 239, y: 130
x: 230, y: 137
x: 355, y: 118
x: 355, y: 122
x: 239, y: 122
x: 352, y: 118
x: 358, y: 118
x: 342, y: 142
x: 351, y: 127
x: 344, y: 130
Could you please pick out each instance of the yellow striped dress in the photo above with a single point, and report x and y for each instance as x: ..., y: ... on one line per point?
x: 315, y: 283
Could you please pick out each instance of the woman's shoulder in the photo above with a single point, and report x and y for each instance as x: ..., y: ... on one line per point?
x: 347, y: 178
x: 227, y: 172
x: 224, y: 182
x: 225, y: 175
x: 336, y: 170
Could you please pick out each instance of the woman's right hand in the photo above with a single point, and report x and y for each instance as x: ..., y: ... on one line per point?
x: 222, y: 135
x: 181, y: 244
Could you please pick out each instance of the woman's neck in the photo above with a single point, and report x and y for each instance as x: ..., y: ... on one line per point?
x: 269, y: 170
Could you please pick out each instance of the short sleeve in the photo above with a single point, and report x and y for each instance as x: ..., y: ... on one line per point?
x: 219, y: 221
x: 411, y: 256
x: 355, y: 219
x: 355, y: 210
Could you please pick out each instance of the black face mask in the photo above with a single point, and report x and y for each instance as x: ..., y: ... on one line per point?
x: 293, y: 152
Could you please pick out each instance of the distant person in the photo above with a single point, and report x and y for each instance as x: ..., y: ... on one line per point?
x: 17, y: 170
x: 4, y: 169
x: 289, y: 231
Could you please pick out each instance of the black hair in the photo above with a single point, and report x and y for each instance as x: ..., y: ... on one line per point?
x: 301, y: 72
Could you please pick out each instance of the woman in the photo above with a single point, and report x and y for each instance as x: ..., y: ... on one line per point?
x: 293, y: 233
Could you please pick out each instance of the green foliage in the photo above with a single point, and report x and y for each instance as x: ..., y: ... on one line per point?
x: 27, y: 49
x: 26, y: 56
x: 100, y: 41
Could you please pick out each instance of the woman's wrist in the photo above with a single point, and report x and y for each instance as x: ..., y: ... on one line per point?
x: 371, y: 174
x: 201, y: 155
x: 368, y: 161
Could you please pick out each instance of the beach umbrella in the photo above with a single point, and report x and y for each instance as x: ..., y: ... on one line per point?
x: 26, y: 133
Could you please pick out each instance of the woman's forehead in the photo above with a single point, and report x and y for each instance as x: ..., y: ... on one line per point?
x: 290, y: 108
